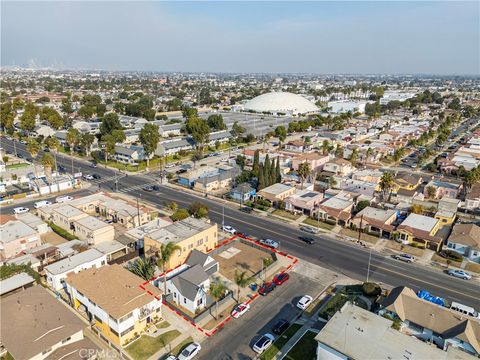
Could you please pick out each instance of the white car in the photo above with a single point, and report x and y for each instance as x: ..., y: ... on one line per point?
x: 88, y: 177
x: 270, y: 243
x: 171, y: 357
x: 20, y: 210
x: 229, y: 229
x: 404, y: 257
x: 263, y: 343
x: 240, y: 309
x: 190, y: 351
x: 304, y: 302
x: 65, y: 198
x: 459, y: 274
x: 169, y: 166
x: 40, y: 204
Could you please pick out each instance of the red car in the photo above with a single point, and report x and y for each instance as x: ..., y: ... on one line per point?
x: 266, y: 288
x: 281, y: 278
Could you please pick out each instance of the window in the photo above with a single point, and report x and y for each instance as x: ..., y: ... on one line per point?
x: 98, y: 319
x: 184, y: 300
x: 46, y: 351
x: 114, y: 332
x: 66, y: 340
x: 127, y: 331
x: 200, y: 301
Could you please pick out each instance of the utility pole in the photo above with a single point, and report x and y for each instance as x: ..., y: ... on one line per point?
x: 369, y: 259
x: 138, y: 213
x: 360, y: 228
x: 223, y: 215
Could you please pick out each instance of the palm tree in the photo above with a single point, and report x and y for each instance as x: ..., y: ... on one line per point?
x: 217, y: 290
x: 266, y: 138
x: 354, y: 157
x: 325, y: 147
x: 386, y: 184
x: 304, y: 171
x: 369, y: 154
x: 33, y: 147
x: 241, y: 280
x: 47, y: 161
x: 197, y: 156
x: 166, y: 252
x: 72, y: 138
x: 53, y: 144
x: 143, y: 268
x: 332, y: 182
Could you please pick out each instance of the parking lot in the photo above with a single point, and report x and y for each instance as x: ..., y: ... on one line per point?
x: 235, y: 340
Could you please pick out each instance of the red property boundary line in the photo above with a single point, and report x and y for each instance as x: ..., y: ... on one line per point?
x: 209, y: 333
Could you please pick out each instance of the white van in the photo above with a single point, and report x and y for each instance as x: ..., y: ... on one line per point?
x: 40, y: 204
x: 62, y: 199
x: 464, y: 309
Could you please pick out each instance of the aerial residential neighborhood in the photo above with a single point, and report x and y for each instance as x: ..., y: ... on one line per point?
x: 179, y: 183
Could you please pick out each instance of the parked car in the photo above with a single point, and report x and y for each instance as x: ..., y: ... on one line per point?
x: 171, y: 357
x: 190, y: 351
x: 181, y: 171
x: 279, y: 279
x: 309, y: 229
x: 304, y: 302
x: 270, y: 243
x: 280, y: 326
x: 62, y: 169
x: 307, y: 239
x: 148, y: 188
x: 169, y: 166
x: 242, y: 234
x: 267, y: 288
x: 20, y: 210
x: 96, y: 176
x: 404, y: 257
x: 263, y: 343
x: 229, y: 229
x: 459, y: 274
x: 93, y: 164
x: 246, y: 209
x: 240, y: 309
x: 40, y: 204
x: 64, y: 198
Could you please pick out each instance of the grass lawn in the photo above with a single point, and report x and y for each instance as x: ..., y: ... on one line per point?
x: 442, y: 260
x: 146, y: 346
x: 286, y: 214
x: 178, y: 349
x: 405, y: 248
x: 162, y: 324
x: 339, y: 299
x: 16, y: 166
x: 305, y: 348
x: 315, y: 223
x: 280, y: 342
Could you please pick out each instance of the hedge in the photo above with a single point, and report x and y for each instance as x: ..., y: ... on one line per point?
x: 62, y: 232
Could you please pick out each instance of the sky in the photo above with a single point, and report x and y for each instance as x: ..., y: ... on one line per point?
x: 322, y: 37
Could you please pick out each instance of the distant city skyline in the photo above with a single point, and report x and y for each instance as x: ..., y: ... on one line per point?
x: 245, y: 37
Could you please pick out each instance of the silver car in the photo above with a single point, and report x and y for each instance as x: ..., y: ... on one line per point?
x: 270, y: 243
x: 459, y: 274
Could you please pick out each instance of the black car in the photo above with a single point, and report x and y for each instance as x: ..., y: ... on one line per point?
x: 20, y: 156
x: 96, y: 176
x: 307, y: 239
x: 246, y: 209
x: 242, y: 234
x: 156, y: 188
x: 181, y: 171
x: 267, y: 288
x: 280, y: 326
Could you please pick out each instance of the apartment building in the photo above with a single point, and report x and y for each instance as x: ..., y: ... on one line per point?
x: 17, y: 237
x: 116, y: 305
x: 188, y: 234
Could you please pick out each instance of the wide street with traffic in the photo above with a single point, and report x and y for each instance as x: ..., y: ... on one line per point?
x: 340, y: 256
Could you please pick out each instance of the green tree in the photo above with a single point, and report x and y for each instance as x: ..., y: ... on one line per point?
x: 237, y: 130
x: 241, y: 280
x: 149, y: 137
x: 386, y: 185
x: 354, y: 156
x: 86, y: 141
x: 256, y: 161
x: 108, y: 146
x: 179, y: 214
x: 166, y: 252
x: 216, y: 123
x: 86, y: 111
x: 33, y: 148
x: 196, y: 157
x: 28, y: 118
x: 119, y: 135
x: 281, y: 134
x: 7, y: 116
x: 47, y: 161
x: 431, y: 192
x: 217, y: 291
x: 109, y: 123
x: 240, y: 161
x: 143, y: 268
x: 304, y: 171
x: 325, y: 147
x: 198, y: 210
x: 199, y: 130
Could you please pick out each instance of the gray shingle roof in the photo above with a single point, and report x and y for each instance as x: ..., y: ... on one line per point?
x: 188, y: 281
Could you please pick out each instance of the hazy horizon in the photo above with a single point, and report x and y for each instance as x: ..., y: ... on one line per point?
x: 348, y: 38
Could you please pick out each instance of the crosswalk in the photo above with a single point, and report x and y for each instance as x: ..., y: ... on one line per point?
x: 107, y: 179
x: 136, y: 187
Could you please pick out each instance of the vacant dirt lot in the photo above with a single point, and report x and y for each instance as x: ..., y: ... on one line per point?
x: 240, y: 257
x: 52, y: 238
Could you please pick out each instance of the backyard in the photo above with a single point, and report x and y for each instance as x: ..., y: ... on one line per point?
x: 353, y: 293
x: 146, y: 346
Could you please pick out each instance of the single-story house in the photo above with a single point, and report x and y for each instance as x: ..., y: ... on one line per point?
x: 243, y: 192
x: 465, y: 239
x: 304, y: 201
x: 421, y: 229
x: 276, y: 192
x: 378, y: 221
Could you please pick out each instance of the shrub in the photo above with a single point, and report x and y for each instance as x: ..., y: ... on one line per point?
x: 62, y: 232
x: 452, y: 255
x: 371, y: 289
x: 180, y: 214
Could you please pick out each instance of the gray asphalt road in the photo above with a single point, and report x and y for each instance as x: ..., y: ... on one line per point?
x: 339, y: 256
x: 235, y: 341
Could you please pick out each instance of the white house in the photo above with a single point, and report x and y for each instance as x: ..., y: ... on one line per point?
x: 189, y: 288
x: 58, y: 271
x: 465, y: 239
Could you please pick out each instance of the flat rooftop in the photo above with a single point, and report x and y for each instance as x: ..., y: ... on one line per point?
x: 420, y: 222
x: 115, y: 289
x: 72, y: 262
x: 14, y: 230
x: 92, y: 223
x: 15, y: 282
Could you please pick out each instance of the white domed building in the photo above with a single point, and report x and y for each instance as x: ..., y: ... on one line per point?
x: 281, y: 102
